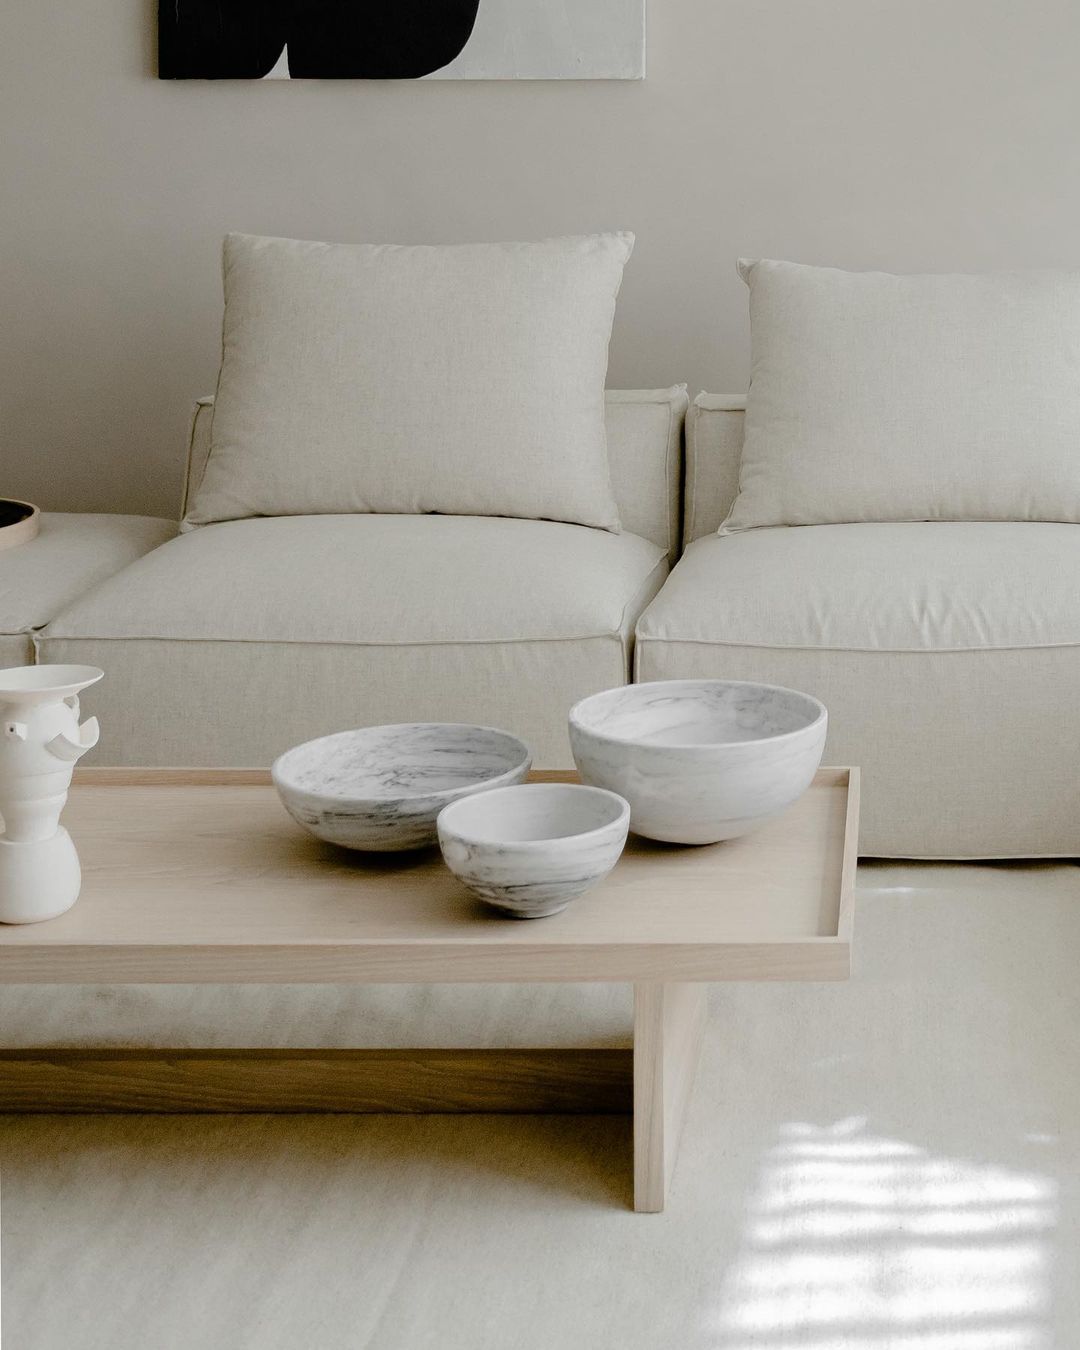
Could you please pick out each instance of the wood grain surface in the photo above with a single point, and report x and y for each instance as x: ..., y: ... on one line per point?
x: 201, y: 876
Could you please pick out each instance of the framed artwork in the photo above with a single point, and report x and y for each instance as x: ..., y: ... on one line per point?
x: 401, y: 39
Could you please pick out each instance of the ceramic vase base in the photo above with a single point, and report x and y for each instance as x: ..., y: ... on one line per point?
x: 38, y: 880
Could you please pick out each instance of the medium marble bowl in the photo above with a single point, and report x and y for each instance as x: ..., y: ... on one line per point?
x: 381, y: 788
x: 699, y: 760
x: 530, y: 850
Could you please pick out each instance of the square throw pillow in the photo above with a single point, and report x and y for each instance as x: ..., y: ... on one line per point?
x: 879, y: 397
x: 465, y: 379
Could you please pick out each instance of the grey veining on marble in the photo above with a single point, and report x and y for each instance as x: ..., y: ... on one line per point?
x: 381, y: 788
x: 530, y: 850
x: 699, y: 760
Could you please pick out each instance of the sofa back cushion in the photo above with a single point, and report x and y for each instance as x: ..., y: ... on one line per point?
x: 876, y: 397
x: 645, y: 456
x: 714, y: 438
x: 466, y: 379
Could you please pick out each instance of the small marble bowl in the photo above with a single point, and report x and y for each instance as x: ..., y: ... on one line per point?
x: 699, y: 760
x: 381, y: 788
x: 530, y: 850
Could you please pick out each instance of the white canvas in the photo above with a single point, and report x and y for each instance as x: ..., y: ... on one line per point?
x: 538, y: 40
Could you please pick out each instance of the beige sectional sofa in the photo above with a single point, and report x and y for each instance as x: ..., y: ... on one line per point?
x: 948, y: 654
x: 236, y: 640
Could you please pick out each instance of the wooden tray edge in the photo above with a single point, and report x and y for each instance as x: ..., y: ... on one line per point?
x: 131, y: 776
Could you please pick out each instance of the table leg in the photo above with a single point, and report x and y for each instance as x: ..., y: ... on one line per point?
x: 669, y: 1020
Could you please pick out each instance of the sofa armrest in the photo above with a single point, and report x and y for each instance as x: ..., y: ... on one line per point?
x: 198, y: 450
x: 714, y: 437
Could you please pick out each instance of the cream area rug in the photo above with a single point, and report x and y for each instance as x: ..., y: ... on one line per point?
x: 891, y: 1164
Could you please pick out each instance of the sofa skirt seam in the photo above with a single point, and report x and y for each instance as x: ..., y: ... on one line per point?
x: 622, y: 637
x: 643, y: 638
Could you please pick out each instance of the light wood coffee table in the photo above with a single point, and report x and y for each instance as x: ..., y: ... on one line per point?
x: 199, y: 876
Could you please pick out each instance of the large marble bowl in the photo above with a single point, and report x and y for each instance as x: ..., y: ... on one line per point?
x: 699, y: 760
x: 530, y: 850
x: 381, y: 788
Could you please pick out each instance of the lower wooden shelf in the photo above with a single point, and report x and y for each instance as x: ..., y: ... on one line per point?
x: 579, y: 1082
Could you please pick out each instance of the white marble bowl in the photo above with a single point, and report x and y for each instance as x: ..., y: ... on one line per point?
x: 699, y: 760
x: 530, y: 850
x: 381, y: 788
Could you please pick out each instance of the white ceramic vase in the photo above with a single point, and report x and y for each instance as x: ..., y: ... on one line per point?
x: 40, y: 742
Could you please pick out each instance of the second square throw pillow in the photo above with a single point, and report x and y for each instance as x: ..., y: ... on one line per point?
x: 461, y: 379
x: 936, y: 397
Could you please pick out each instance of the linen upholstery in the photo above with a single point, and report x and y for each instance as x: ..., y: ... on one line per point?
x: 313, y: 1016
x: 70, y: 555
x: 645, y: 455
x: 202, y: 422
x: 714, y: 438
x: 16, y: 649
x: 880, y: 397
x: 948, y: 655
x: 236, y: 641
x: 464, y: 379
x: 644, y: 445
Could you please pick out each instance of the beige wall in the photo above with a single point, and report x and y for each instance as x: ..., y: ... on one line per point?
x: 906, y: 134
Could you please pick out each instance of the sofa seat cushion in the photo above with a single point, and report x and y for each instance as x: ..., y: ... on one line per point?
x: 948, y: 656
x: 959, y: 586
x: 71, y: 554
x: 240, y: 639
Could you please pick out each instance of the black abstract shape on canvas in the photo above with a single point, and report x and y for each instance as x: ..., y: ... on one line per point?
x: 395, y: 39
x: 327, y: 39
x: 221, y: 39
